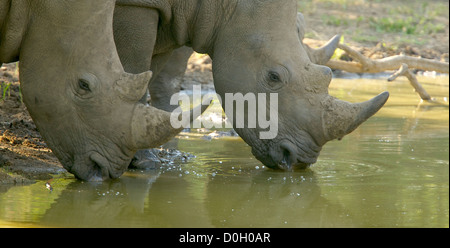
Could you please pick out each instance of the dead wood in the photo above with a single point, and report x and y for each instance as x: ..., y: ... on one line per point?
x: 404, y: 71
x: 367, y: 65
x: 401, y: 63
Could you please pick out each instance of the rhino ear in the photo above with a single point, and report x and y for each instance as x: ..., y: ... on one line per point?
x: 132, y: 87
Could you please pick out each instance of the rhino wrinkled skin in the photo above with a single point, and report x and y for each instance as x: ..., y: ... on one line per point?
x: 86, y: 102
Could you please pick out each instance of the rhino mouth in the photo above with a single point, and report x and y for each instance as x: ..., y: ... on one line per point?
x: 99, y: 169
x: 94, y: 167
x: 289, y: 154
x: 90, y: 167
x: 296, y: 156
x: 104, y: 169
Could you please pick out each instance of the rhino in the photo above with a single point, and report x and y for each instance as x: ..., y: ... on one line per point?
x: 82, y: 101
x: 255, y: 47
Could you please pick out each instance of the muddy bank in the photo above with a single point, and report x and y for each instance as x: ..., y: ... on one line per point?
x: 24, y: 156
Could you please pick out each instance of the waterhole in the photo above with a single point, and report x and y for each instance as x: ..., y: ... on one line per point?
x: 393, y: 171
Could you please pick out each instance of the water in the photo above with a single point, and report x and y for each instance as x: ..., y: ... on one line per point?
x: 393, y: 171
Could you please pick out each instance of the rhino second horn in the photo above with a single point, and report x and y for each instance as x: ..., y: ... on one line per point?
x: 341, y: 118
x: 133, y: 86
x: 322, y: 55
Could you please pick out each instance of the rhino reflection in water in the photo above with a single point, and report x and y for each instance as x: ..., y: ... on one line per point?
x: 153, y: 200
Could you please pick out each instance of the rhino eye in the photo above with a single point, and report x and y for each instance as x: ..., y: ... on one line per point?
x: 84, y: 85
x: 274, y: 77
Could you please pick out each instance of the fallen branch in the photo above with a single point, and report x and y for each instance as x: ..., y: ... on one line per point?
x: 367, y: 65
x: 404, y: 71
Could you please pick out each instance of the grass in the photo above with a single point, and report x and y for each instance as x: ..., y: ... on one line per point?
x: 424, y: 19
x: 373, y: 21
x: 5, y: 88
x: 393, y: 25
x: 335, y: 21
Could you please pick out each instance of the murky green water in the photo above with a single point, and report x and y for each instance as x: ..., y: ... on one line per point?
x: 391, y: 172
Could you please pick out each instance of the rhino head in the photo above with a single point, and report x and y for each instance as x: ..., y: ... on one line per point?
x: 259, y: 51
x: 84, y: 104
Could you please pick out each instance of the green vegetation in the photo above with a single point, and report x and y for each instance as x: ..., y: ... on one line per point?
x: 7, y: 85
x: 373, y: 21
x: 5, y: 88
x: 410, y: 20
x: 5, y: 91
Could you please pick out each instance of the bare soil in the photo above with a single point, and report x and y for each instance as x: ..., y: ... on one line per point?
x: 25, y: 157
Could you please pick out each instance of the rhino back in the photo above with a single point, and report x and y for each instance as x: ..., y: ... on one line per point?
x: 4, y: 8
x: 13, y: 23
x: 163, y: 6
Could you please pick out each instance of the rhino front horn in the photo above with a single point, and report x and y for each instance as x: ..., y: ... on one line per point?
x: 341, y: 118
x: 152, y: 127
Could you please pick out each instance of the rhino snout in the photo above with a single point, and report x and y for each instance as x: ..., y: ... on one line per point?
x: 94, y: 167
x: 289, y: 155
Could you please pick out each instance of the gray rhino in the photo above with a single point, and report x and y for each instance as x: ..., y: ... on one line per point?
x: 255, y: 48
x: 84, y: 104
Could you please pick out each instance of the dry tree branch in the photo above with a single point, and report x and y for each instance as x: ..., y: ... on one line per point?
x: 404, y: 71
x: 367, y: 65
